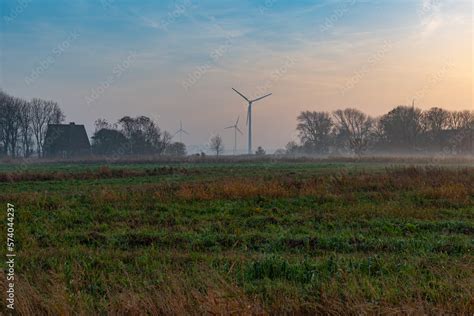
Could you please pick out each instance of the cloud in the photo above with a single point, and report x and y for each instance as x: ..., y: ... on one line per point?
x: 432, y: 17
x: 431, y: 25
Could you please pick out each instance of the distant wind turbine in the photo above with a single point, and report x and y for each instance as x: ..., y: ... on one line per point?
x: 180, y: 132
x: 249, y: 115
x: 236, y: 129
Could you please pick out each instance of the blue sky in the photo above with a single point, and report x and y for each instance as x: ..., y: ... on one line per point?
x: 177, y: 60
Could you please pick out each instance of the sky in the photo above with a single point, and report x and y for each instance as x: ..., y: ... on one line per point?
x: 179, y: 60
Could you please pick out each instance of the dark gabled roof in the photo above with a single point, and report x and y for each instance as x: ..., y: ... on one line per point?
x: 66, y: 137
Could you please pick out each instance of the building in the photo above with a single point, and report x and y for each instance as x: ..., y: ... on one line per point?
x: 66, y: 140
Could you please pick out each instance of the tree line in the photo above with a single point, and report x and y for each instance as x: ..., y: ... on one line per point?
x: 23, y: 124
x: 133, y: 136
x: 405, y: 129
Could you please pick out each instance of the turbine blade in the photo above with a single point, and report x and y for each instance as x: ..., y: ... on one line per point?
x: 262, y: 97
x: 229, y: 127
x: 185, y: 132
x: 237, y: 122
x: 243, y: 96
x: 238, y: 129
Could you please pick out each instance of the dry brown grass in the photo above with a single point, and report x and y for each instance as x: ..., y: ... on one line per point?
x: 51, y: 300
x: 174, y: 296
x: 215, y: 296
x: 232, y: 189
x: 103, y: 172
x: 432, y: 184
x: 451, y: 185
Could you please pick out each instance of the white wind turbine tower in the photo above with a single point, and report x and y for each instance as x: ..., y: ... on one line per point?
x: 180, y: 132
x: 236, y: 129
x: 249, y: 115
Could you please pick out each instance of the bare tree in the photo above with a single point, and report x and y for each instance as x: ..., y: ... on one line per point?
x: 101, y: 123
x: 43, y: 114
x: 165, y: 142
x: 355, y: 127
x: 458, y: 120
x: 127, y: 124
x: 144, y: 136
x: 39, y: 123
x: 436, y: 119
x: 401, y: 127
x: 216, y: 144
x: 4, y: 99
x: 314, y: 129
x: 9, y: 123
x: 26, y: 131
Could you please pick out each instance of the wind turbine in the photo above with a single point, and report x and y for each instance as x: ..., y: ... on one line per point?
x: 236, y: 129
x: 249, y: 115
x: 180, y: 132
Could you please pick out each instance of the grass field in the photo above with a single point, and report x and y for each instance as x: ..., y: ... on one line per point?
x: 255, y: 237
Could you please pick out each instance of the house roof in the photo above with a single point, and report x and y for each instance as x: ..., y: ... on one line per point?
x: 68, y: 137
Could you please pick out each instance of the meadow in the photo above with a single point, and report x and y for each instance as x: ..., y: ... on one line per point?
x: 250, y: 237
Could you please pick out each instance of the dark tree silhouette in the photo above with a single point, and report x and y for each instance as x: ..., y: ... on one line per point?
x: 176, y: 149
x: 217, y: 145
x: 355, y: 127
x: 260, y: 151
x: 43, y: 114
x: 108, y: 142
x: 401, y: 128
x: 314, y: 130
